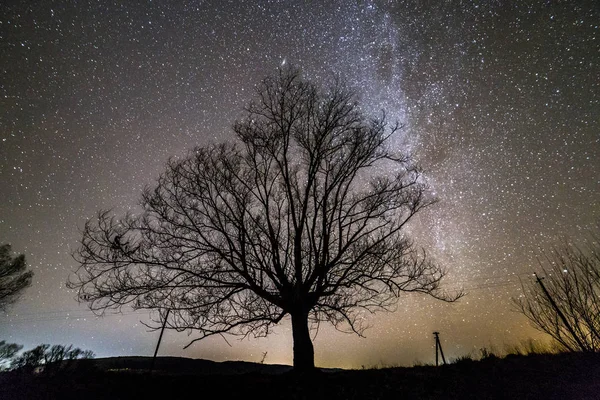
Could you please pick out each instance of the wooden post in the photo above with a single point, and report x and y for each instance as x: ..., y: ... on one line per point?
x: 159, y: 339
x: 438, y: 348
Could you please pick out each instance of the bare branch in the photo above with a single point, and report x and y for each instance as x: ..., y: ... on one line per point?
x: 567, y: 307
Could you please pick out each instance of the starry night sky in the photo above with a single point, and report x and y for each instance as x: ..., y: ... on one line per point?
x: 500, y: 102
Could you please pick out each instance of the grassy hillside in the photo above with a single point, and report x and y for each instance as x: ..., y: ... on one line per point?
x: 560, y: 376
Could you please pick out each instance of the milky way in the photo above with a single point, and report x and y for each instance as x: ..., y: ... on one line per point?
x: 499, y: 101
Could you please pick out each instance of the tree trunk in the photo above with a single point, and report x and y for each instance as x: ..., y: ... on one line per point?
x: 304, y: 354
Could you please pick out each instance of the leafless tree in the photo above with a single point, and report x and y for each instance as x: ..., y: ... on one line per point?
x: 567, y: 306
x: 52, y: 358
x: 304, y: 214
x: 13, y: 276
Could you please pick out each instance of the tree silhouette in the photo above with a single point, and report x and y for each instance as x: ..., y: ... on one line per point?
x: 7, y: 352
x: 52, y: 358
x: 304, y: 215
x: 567, y: 306
x: 13, y: 277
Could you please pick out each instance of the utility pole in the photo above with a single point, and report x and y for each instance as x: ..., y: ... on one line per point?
x: 560, y: 314
x: 438, y: 345
x: 159, y: 339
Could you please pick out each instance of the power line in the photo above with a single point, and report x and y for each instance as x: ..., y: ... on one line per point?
x: 72, y: 317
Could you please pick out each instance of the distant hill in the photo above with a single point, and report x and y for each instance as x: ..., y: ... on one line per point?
x: 183, y: 366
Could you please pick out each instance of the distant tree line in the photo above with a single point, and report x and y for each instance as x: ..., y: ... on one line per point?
x: 46, y: 357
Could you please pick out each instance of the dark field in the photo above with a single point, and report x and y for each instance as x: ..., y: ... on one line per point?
x: 562, y: 376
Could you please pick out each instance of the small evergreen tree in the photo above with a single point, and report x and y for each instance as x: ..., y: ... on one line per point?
x: 13, y: 276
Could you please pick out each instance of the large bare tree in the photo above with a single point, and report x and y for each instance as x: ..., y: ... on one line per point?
x: 566, y: 303
x: 304, y: 214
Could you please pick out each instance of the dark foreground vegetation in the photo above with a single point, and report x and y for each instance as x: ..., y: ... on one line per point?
x: 558, y: 376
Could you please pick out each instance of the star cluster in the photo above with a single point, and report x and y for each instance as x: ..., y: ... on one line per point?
x: 499, y: 101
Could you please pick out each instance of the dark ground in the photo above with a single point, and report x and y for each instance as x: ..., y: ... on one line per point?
x: 562, y: 376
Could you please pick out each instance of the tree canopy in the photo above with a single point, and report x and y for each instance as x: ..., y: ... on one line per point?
x: 304, y: 214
